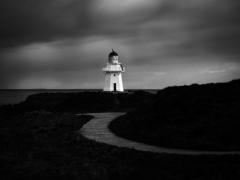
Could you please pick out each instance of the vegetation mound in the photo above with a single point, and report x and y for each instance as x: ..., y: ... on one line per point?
x: 203, y: 117
x: 81, y: 102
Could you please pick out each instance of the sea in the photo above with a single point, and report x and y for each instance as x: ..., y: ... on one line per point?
x: 14, y: 96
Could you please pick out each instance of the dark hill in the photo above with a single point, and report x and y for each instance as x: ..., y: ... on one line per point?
x: 81, y: 102
x: 193, y: 117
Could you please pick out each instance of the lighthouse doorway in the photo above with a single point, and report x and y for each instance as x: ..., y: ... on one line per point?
x: 114, y: 87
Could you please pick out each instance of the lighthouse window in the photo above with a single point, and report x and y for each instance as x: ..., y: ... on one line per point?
x: 114, y: 74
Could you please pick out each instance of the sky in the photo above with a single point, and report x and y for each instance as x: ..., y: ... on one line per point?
x: 64, y: 44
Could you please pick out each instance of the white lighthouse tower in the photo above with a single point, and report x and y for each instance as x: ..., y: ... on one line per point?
x: 113, y: 74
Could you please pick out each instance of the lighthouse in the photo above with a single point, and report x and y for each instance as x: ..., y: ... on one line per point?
x: 113, y: 74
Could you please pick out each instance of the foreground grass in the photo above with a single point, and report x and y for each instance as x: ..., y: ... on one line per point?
x: 44, y: 145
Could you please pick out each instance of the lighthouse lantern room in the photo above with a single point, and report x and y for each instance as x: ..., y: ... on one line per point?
x: 113, y: 74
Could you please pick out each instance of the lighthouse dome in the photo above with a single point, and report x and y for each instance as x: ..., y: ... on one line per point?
x: 113, y: 53
x: 113, y: 57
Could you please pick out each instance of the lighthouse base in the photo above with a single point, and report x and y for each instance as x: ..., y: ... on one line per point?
x: 113, y: 82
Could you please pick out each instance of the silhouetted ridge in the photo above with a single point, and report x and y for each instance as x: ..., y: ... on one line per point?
x: 196, y: 117
x: 82, y: 102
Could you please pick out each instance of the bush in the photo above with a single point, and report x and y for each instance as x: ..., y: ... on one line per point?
x: 193, y: 117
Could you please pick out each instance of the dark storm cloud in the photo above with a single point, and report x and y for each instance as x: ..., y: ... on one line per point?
x: 211, y: 25
x: 61, y: 40
x: 216, y: 27
x: 29, y: 21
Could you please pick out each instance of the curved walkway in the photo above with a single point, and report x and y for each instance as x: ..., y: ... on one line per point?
x: 97, y: 129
